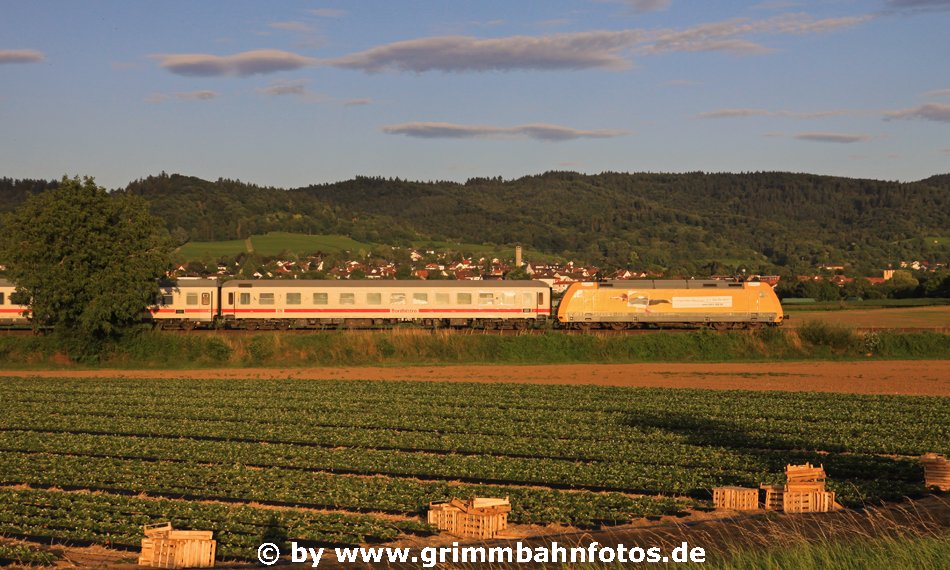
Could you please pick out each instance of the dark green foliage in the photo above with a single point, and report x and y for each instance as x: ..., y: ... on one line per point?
x: 86, y: 261
x: 694, y: 223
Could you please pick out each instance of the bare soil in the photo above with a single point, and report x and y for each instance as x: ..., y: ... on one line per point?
x: 906, y: 377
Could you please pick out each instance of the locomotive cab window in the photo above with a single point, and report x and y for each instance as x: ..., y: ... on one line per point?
x: 463, y: 298
x: 320, y: 298
x: 374, y: 298
x: 347, y: 298
x: 293, y: 298
x: 266, y: 299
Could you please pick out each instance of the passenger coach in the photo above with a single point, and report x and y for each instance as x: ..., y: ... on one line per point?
x: 11, y: 315
x: 187, y: 304
x: 369, y: 304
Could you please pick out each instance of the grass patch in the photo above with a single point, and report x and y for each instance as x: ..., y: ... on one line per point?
x: 153, y: 349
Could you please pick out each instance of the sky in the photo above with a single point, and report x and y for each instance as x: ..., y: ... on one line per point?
x: 289, y: 93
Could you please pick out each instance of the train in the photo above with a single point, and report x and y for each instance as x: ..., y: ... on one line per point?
x: 520, y: 305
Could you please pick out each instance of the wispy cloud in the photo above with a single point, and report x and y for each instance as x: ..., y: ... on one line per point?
x: 749, y: 112
x: 357, y: 102
x: 832, y: 137
x: 917, y: 5
x: 327, y: 13
x: 294, y: 88
x: 291, y: 26
x: 543, y: 132
x: 21, y: 56
x: 203, y: 95
x: 598, y: 49
x: 240, y: 64
x: 647, y: 5
x: 939, y: 112
x: 937, y: 93
x: 581, y: 50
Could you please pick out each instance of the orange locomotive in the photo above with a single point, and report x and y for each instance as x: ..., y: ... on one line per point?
x: 627, y: 304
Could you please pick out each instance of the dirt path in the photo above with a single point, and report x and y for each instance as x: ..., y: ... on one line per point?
x: 913, y: 377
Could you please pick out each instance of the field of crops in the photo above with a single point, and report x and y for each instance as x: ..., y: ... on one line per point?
x: 338, y: 463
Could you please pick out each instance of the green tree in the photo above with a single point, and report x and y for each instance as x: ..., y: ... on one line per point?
x: 86, y: 261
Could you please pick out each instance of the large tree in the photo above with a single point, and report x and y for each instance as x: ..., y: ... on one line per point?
x: 86, y: 261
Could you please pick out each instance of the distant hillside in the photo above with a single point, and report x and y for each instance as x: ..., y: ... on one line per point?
x: 687, y: 222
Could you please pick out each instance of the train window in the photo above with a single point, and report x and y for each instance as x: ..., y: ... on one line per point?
x: 486, y: 299
x: 420, y: 298
x: 321, y: 298
x: 507, y: 298
x: 293, y: 298
x: 526, y: 299
x: 245, y: 298
x: 397, y: 298
x: 167, y: 299
x: 463, y: 298
x: 442, y: 299
x: 347, y: 298
x: 191, y: 298
x: 540, y: 299
x: 266, y: 299
x: 1, y: 298
x: 206, y: 298
x: 230, y: 298
x: 374, y: 298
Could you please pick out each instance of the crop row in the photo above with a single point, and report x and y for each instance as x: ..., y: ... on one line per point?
x: 98, y: 518
x: 301, y: 396
x: 904, y: 433
x: 679, y: 470
x: 316, y: 490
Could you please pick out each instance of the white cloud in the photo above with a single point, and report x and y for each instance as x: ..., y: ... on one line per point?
x: 20, y: 56
x: 240, y: 64
x: 939, y: 112
x: 544, y: 132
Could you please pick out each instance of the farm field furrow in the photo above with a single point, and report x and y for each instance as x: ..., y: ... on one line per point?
x: 573, y: 455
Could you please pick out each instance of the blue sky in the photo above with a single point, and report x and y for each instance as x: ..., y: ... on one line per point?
x: 288, y: 93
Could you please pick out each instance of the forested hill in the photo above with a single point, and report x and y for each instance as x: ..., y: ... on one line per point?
x: 763, y: 220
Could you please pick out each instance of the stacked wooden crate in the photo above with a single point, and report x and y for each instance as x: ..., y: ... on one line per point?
x: 936, y: 471
x: 774, y: 496
x: 481, y: 518
x: 165, y: 547
x: 805, y: 490
x: 736, y: 498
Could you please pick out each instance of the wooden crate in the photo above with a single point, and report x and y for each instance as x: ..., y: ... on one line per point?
x: 736, y: 498
x: 805, y: 473
x: 808, y: 501
x: 774, y: 496
x: 165, y: 547
x: 476, y: 518
x: 936, y: 471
